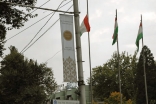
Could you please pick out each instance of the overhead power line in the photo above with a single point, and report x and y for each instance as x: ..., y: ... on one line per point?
x: 35, y: 23
x: 44, y: 32
x: 42, y: 27
x: 65, y: 4
x: 28, y: 27
x: 40, y: 6
x: 54, y: 55
x: 36, y: 7
x: 32, y: 24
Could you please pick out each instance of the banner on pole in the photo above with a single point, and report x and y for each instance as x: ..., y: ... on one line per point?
x: 68, y: 50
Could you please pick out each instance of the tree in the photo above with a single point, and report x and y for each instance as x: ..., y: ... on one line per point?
x: 2, y: 38
x: 114, y: 98
x: 13, y: 17
x: 24, y: 81
x: 150, y: 69
x: 105, y: 78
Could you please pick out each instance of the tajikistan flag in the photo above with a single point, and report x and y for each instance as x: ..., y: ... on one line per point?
x: 140, y: 36
x: 115, y: 35
x: 85, y: 27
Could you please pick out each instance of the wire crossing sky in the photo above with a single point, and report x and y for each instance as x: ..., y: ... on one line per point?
x: 101, y: 18
x: 41, y: 28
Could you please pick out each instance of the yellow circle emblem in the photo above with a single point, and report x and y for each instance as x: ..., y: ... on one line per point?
x: 67, y: 35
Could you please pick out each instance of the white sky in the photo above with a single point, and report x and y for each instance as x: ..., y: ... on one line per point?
x: 101, y: 15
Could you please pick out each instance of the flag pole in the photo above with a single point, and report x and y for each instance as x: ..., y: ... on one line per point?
x: 144, y: 68
x: 118, y: 66
x: 91, y: 93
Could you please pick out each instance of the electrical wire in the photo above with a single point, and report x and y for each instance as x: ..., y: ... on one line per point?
x: 42, y: 27
x: 44, y: 32
x: 62, y: 5
x: 65, y: 4
x: 28, y: 27
x: 54, y: 55
x: 34, y: 23
x: 40, y: 6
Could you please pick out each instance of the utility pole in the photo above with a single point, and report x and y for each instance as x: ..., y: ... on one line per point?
x: 79, y: 54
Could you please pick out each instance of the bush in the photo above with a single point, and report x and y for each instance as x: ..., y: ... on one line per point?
x: 114, y: 98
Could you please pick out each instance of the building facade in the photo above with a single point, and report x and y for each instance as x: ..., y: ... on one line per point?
x: 70, y: 93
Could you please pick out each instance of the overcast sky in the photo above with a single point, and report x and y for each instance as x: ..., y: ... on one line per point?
x: 101, y: 16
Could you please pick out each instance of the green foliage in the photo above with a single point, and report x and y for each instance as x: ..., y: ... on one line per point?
x: 12, y: 16
x: 2, y: 38
x: 150, y: 68
x: 105, y: 78
x: 24, y: 81
x: 114, y: 98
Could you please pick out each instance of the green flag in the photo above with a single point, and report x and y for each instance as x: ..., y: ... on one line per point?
x: 140, y: 36
x: 115, y: 34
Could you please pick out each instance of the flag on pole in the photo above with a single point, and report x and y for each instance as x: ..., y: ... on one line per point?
x: 140, y: 36
x: 115, y: 31
x: 85, y: 27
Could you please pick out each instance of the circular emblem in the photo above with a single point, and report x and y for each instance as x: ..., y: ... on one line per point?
x: 67, y: 35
